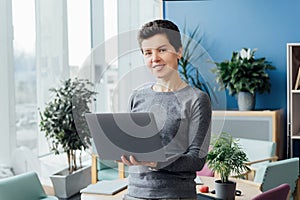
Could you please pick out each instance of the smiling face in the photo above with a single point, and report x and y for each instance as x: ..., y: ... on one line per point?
x: 160, y: 56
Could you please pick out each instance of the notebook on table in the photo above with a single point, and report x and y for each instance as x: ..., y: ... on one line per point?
x: 107, y: 187
x: 198, y: 180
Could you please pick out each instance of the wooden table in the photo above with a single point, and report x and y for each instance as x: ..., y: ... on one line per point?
x: 118, y: 196
x: 249, y: 190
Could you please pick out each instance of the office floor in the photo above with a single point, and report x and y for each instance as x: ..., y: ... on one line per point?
x: 49, y: 190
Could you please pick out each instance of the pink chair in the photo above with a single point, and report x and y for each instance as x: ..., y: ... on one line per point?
x: 205, y: 171
x: 280, y: 192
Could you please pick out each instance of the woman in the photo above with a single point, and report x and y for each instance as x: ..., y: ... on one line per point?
x: 183, y: 115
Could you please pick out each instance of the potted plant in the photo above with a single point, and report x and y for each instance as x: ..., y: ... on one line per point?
x: 245, y: 76
x: 191, y: 53
x: 226, y: 158
x: 66, y: 130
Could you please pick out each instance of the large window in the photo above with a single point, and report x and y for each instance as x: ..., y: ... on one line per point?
x: 51, y: 41
x: 121, y: 69
x: 25, y: 73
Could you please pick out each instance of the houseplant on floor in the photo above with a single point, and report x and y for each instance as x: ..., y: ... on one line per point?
x: 226, y: 158
x: 244, y: 75
x: 66, y: 130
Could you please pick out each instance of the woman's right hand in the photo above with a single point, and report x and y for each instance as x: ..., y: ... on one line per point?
x: 133, y: 161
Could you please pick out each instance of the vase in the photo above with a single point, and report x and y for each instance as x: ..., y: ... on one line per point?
x: 246, y: 101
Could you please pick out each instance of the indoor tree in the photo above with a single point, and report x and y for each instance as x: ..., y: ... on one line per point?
x: 63, y: 119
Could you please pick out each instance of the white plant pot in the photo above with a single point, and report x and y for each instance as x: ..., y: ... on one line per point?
x: 66, y: 185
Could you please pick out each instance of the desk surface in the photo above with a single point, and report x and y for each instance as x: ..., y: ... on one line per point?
x: 248, y: 188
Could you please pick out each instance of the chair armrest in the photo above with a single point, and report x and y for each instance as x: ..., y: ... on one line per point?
x: 121, y: 169
x: 251, y: 173
x: 274, y: 158
x: 94, y: 173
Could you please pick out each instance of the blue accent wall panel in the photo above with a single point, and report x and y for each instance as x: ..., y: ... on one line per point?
x: 229, y: 25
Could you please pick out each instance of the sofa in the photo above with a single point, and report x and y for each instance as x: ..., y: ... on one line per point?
x: 26, y: 186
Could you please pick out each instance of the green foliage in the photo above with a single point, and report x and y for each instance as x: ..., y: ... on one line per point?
x: 226, y: 157
x: 63, y: 118
x: 243, y: 73
x: 191, y: 53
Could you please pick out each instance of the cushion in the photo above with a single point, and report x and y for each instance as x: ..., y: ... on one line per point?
x: 106, y: 164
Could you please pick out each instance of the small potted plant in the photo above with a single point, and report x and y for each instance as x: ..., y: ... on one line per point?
x: 66, y: 130
x: 245, y: 76
x: 226, y: 158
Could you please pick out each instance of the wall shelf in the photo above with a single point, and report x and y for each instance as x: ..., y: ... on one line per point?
x: 293, y: 97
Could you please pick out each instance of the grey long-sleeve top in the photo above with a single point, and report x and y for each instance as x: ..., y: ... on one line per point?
x: 183, y: 118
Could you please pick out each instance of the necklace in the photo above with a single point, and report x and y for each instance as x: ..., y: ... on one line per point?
x: 161, y: 88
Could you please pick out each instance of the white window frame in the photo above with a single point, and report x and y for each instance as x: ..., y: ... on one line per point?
x: 7, y: 100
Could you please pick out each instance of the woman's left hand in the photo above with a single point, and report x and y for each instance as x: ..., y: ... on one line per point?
x: 133, y: 161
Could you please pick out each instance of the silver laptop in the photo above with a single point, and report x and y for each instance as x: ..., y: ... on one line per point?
x: 117, y: 134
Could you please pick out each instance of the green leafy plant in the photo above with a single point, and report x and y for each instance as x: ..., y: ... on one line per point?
x: 63, y: 119
x: 244, y: 73
x: 226, y: 157
x: 191, y: 53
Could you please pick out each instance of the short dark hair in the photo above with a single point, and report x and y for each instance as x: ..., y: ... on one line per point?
x: 161, y: 26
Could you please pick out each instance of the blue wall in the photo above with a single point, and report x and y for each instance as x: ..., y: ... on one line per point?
x: 229, y: 25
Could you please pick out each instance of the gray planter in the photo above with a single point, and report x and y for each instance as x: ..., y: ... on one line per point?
x: 225, y: 191
x: 246, y: 101
x: 66, y: 185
